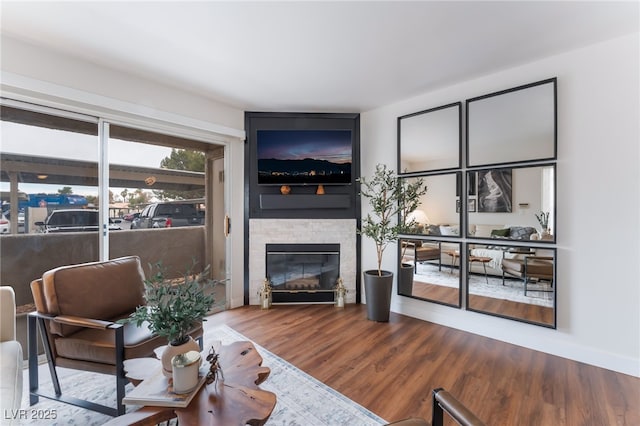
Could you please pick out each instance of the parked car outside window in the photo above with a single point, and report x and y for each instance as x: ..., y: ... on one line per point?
x: 73, y: 220
x: 5, y: 226
x: 131, y: 216
x: 168, y: 215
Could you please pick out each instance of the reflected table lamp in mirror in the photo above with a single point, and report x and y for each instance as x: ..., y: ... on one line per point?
x: 420, y: 218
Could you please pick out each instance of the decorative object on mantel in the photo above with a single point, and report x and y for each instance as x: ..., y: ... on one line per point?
x: 285, y: 189
x: 341, y: 292
x: 265, y: 294
x: 382, y: 191
x: 320, y: 190
x: 173, y: 308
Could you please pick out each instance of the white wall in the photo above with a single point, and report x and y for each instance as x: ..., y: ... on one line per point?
x: 598, y: 204
x: 27, y: 60
x: 40, y: 76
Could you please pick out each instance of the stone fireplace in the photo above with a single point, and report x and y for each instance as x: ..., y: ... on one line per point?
x: 310, y: 243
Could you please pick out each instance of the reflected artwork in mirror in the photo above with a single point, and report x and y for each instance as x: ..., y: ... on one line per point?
x: 512, y: 125
x: 430, y: 270
x: 430, y: 140
x: 513, y: 282
x: 515, y: 203
x: 437, y: 213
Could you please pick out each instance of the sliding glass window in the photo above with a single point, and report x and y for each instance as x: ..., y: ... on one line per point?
x: 50, y: 193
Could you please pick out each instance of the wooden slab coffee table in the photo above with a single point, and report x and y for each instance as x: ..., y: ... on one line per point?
x: 237, y: 400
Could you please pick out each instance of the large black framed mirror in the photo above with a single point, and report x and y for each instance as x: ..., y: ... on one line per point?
x: 429, y: 256
x: 512, y: 203
x: 515, y: 282
x: 430, y: 140
x: 513, y: 125
x: 430, y: 270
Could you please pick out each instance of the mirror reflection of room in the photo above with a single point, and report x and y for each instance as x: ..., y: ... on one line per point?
x: 516, y: 282
x: 518, y: 124
x: 438, y: 212
x: 430, y: 270
x: 512, y: 203
x: 430, y: 140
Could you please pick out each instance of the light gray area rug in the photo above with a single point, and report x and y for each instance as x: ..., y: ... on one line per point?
x: 513, y: 290
x: 301, y: 399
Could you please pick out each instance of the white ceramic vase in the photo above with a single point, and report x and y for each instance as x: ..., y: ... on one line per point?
x: 545, y: 234
x: 170, y: 351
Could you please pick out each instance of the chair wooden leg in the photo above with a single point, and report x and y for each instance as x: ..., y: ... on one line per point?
x: 121, y: 380
x: 33, y: 324
x: 49, y: 353
x: 32, y: 348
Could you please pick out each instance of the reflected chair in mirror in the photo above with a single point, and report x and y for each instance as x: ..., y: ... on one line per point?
x: 422, y: 251
x: 78, y: 307
x: 529, y: 268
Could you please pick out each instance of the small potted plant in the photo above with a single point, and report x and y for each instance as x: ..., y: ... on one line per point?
x: 543, y: 220
x: 382, y: 191
x: 173, y: 308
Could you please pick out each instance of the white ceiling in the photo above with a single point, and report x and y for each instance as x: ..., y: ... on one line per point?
x: 314, y: 56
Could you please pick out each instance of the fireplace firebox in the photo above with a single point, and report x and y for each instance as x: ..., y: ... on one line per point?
x: 303, y: 273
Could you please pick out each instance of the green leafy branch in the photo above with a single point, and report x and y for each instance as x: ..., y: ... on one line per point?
x: 174, y: 307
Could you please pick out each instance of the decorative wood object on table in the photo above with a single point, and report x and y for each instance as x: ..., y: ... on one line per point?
x: 236, y: 400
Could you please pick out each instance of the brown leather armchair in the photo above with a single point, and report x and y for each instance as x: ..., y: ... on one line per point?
x: 78, y: 307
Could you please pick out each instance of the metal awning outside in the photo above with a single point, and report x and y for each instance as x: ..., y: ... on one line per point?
x: 56, y: 171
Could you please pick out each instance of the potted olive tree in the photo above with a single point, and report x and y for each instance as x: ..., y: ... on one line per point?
x: 409, y: 192
x: 382, y: 191
x: 173, y: 308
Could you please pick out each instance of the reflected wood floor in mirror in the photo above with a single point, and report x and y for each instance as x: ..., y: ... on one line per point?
x: 524, y: 311
x: 448, y: 295
x: 391, y: 368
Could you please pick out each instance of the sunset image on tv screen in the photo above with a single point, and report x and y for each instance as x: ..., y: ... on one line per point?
x: 304, y: 156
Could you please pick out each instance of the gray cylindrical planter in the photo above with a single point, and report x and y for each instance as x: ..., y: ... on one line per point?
x: 378, y: 292
x: 405, y: 279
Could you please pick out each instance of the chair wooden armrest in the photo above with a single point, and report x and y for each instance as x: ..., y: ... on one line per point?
x: 85, y: 322
x: 76, y: 321
x: 443, y: 400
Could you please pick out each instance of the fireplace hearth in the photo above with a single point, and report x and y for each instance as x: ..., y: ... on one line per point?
x: 303, y: 273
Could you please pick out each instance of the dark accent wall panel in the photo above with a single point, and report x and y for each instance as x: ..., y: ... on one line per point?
x: 339, y: 201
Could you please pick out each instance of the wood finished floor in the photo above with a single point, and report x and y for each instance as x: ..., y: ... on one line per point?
x: 450, y: 296
x: 391, y: 368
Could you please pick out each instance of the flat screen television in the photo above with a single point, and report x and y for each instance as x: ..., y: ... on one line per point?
x: 304, y: 157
